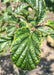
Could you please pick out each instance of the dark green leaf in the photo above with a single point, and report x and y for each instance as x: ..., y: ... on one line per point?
x: 25, y: 50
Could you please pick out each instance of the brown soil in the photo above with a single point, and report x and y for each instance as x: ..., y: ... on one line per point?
x: 45, y: 66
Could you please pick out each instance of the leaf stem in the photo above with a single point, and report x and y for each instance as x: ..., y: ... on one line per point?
x: 43, y: 25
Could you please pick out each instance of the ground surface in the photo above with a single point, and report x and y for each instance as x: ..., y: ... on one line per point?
x: 45, y: 66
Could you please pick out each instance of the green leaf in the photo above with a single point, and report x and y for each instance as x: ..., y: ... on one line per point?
x: 13, y: 20
x: 40, y: 9
x: 5, y: 42
x: 10, y: 19
x: 25, y: 50
x: 3, y: 29
x: 50, y: 23
x: 9, y: 9
x: 52, y: 36
x: 2, y: 24
x: 22, y: 0
x: 24, y: 11
x: 10, y: 30
x: 46, y: 30
x: 1, y: 17
x: 22, y: 24
x: 6, y: 17
x: 14, y: 1
x: 20, y: 8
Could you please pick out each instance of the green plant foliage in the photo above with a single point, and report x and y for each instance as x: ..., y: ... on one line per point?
x: 22, y: 24
x: 52, y: 36
x: 46, y: 30
x: 39, y: 9
x: 22, y: 31
x: 10, y: 30
x: 5, y: 42
x: 50, y: 23
x: 5, y: 17
x: 9, y: 9
x: 25, y: 50
x: 20, y: 8
x: 14, y: 1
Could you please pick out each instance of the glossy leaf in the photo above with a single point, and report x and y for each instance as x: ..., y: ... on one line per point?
x: 25, y: 50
